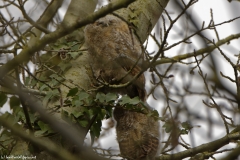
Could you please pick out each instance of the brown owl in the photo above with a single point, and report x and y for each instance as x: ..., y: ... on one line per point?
x: 114, y: 52
x: 137, y: 134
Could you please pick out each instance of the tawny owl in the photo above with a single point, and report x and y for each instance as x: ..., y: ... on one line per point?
x: 137, y: 134
x: 114, y: 51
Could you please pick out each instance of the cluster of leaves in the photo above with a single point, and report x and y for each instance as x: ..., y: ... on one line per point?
x: 7, y: 140
x: 14, y: 104
x: 89, y: 111
x: 179, y: 128
x: 82, y: 108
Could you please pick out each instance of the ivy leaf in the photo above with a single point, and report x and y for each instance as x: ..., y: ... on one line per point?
x: 76, y: 102
x: 168, y: 127
x: 75, y: 47
x: 89, y: 101
x: 33, y: 82
x: 39, y: 133
x: 91, y: 113
x: 102, y: 113
x: 77, y: 113
x: 101, y: 97
x: 14, y: 102
x: 72, y: 92
x: 41, y: 125
x: 111, y: 97
x: 3, y: 99
x: 108, y: 110
x: 96, y: 129
x: 183, y: 131
x: 45, y: 127
x: 128, y: 100
x: 43, y: 87
x: 67, y: 102
x: 187, y: 125
x: 83, y: 95
x: 83, y: 123
x: 135, y: 100
x: 27, y: 81
x: 47, y: 98
x: 125, y: 100
x: 154, y: 114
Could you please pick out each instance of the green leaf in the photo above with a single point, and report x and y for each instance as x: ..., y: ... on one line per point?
x: 89, y: 101
x: 41, y: 125
x: 67, y: 101
x: 102, y: 113
x: 45, y: 127
x: 66, y: 111
x: 39, y: 133
x: 96, y: 128
x: 75, y: 47
x: 47, y: 97
x: 154, y: 114
x: 14, y: 102
x: 43, y: 87
x: 168, y: 127
x: 54, y: 82
x: 3, y: 99
x: 83, y: 95
x: 83, y: 123
x: 72, y: 92
x: 187, y: 125
x: 183, y: 131
x: 108, y: 110
x: 111, y: 97
x: 77, y: 103
x: 27, y: 81
x: 91, y: 113
x: 125, y: 100
x: 42, y: 78
x: 101, y: 97
x: 77, y: 113
x: 34, y: 82
x: 135, y: 101
x: 128, y: 100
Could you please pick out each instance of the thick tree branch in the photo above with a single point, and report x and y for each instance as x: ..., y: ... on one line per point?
x: 143, y: 15
x: 233, y: 155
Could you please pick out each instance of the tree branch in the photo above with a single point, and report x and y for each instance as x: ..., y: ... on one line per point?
x: 198, y: 52
x: 211, y: 146
x: 46, y: 145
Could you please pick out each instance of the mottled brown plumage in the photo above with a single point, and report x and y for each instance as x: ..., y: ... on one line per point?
x: 137, y: 134
x: 114, y: 51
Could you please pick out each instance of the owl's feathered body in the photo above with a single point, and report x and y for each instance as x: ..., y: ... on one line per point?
x: 114, y: 52
x: 137, y: 134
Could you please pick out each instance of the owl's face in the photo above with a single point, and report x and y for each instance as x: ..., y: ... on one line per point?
x: 107, y: 21
x: 108, y: 24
